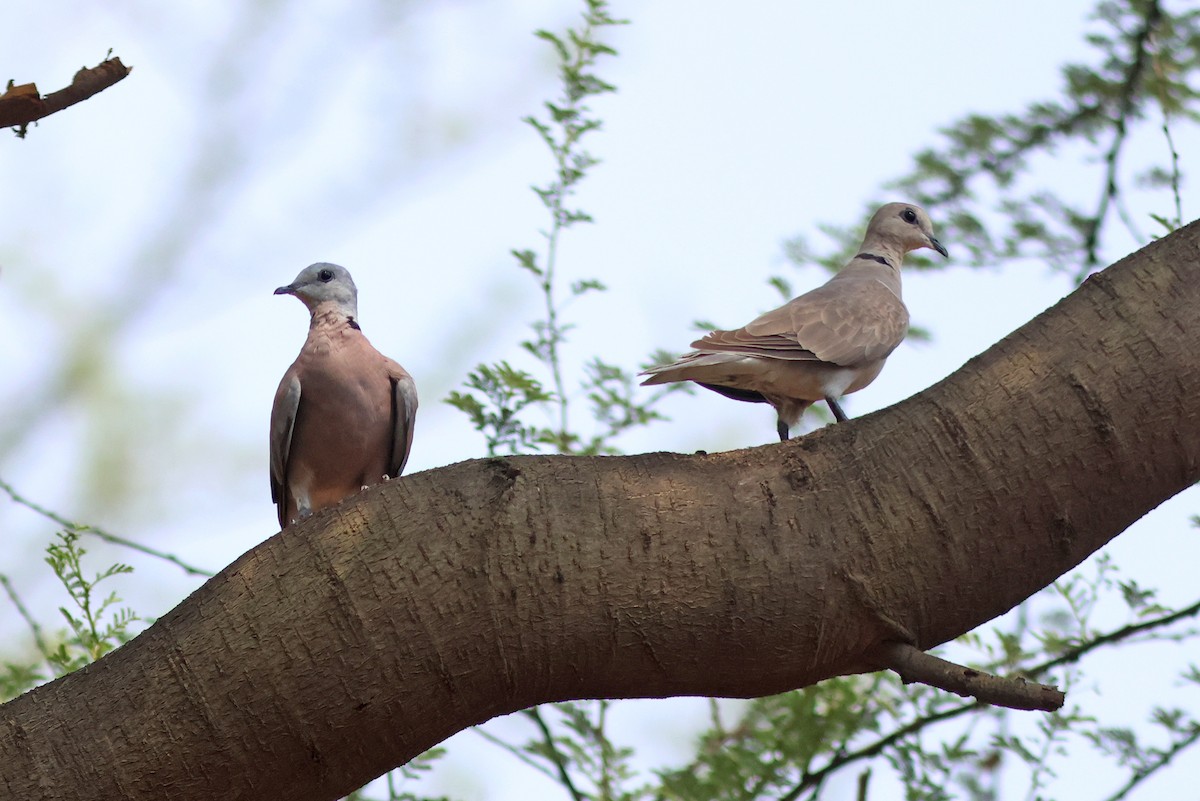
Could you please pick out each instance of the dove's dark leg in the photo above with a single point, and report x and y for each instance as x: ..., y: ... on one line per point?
x: 782, y: 428
x: 838, y: 414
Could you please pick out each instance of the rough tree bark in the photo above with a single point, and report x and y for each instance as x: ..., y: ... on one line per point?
x: 367, y: 634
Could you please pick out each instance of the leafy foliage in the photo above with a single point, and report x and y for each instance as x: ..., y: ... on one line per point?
x: 91, y: 635
x: 506, y: 392
x: 794, y: 745
x: 1145, y: 66
x: 497, y: 397
x: 96, y: 625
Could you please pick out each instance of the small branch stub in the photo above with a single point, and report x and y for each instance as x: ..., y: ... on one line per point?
x: 914, y: 665
x: 21, y: 105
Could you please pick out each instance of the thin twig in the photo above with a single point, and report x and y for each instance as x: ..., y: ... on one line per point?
x: 101, y: 533
x: 1153, y: 16
x: 1038, y: 775
x: 864, y: 779
x: 562, y: 155
x: 1141, y: 774
x: 34, y: 627
x: 515, y: 751
x: 714, y: 715
x: 1128, y: 220
x: 605, y: 751
x: 1175, y: 173
x: 1160, y: 74
x: 839, y: 751
x: 560, y: 763
x: 816, y: 777
x: 1078, y: 652
x: 1039, y: 134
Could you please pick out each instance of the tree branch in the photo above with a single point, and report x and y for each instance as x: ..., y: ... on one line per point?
x: 34, y: 627
x: 1076, y: 653
x: 95, y: 531
x: 21, y: 105
x: 517, y: 752
x: 914, y: 665
x: 1125, y: 108
x: 435, y: 602
x: 553, y: 754
x: 1067, y: 657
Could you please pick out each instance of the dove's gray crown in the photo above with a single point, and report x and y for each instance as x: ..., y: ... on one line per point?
x: 324, y: 283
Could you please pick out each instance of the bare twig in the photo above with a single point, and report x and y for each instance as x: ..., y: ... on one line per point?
x: 100, y: 533
x: 515, y: 751
x: 1141, y: 54
x: 23, y: 611
x: 864, y: 779
x: 914, y: 665
x: 1075, y: 654
x: 1164, y: 106
x: 23, y: 104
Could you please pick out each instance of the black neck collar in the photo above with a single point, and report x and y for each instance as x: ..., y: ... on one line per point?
x: 874, y: 257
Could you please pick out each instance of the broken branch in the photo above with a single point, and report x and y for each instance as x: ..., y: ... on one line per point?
x: 21, y: 105
x: 914, y: 665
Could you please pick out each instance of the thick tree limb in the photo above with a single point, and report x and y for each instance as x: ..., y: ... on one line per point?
x: 370, y: 632
x: 21, y: 105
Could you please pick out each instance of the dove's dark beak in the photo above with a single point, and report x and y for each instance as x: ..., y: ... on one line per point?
x: 933, y: 243
x: 291, y: 290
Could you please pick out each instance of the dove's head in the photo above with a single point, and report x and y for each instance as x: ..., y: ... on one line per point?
x: 324, y: 284
x: 905, y: 227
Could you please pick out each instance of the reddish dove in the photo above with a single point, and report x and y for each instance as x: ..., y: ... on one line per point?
x: 824, y: 344
x: 343, y: 413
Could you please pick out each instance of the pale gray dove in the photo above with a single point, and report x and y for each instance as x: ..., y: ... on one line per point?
x: 343, y: 413
x: 824, y: 344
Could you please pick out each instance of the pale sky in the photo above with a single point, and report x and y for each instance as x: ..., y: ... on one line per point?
x: 390, y: 142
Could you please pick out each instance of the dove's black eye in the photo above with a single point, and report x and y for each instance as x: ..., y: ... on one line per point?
x: 325, y: 275
x: 908, y: 215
